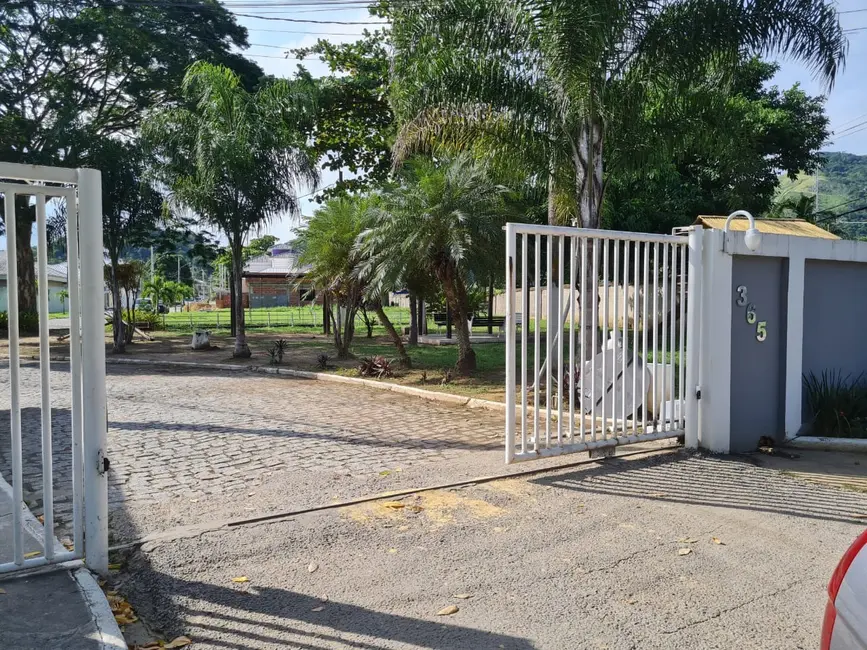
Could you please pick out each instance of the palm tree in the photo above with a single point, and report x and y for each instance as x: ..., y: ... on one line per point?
x: 446, y: 219
x: 159, y: 292
x: 236, y: 158
x: 547, y: 81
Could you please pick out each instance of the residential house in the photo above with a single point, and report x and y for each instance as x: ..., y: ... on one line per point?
x: 277, y: 280
x: 57, y: 274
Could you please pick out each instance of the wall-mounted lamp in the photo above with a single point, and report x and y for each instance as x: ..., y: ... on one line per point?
x: 752, y: 237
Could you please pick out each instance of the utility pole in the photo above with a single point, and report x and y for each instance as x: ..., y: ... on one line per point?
x: 152, y: 263
x: 179, y: 269
x: 816, y: 210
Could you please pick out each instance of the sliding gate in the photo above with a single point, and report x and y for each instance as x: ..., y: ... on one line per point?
x: 601, y: 338
x: 52, y: 452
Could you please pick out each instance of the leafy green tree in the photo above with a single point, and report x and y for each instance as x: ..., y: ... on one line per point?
x: 159, y: 291
x: 131, y: 210
x: 74, y: 70
x: 328, y: 244
x: 63, y: 294
x: 355, y: 124
x: 446, y: 219
x: 235, y: 158
x: 551, y: 81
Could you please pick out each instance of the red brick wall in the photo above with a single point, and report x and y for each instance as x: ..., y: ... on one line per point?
x: 269, y: 286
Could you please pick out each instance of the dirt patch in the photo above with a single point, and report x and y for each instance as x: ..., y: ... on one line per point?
x: 438, y: 507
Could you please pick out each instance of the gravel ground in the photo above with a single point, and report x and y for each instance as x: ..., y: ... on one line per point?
x: 580, y: 558
x: 587, y: 557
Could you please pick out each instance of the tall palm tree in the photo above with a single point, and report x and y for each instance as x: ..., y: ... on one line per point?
x: 446, y: 219
x: 237, y: 158
x: 547, y: 80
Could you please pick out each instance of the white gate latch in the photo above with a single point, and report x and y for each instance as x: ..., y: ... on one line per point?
x: 102, y: 462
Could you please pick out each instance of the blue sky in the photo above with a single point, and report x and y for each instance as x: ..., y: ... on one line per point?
x: 846, y: 105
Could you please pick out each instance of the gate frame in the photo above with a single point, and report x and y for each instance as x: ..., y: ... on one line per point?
x: 695, y: 309
x: 87, y: 358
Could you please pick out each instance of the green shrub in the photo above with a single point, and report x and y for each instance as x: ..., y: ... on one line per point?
x: 837, y: 404
x: 28, y: 322
x: 153, y: 319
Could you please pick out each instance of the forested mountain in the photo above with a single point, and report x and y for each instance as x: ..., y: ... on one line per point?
x: 842, y: 194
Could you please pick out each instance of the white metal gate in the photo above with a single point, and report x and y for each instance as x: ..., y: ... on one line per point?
x: 79, y: 193
x: 618, y: 368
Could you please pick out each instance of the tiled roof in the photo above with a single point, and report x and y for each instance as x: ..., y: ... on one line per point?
x: 56, y: 272
x: 793, y: 227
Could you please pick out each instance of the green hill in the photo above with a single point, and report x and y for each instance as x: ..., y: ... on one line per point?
x: 842, y: 189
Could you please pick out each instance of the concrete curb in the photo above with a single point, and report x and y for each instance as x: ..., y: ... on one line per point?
x: 857, y: 445
x: 108, y: 632
x: 109, y: 636
x: 430, y: 395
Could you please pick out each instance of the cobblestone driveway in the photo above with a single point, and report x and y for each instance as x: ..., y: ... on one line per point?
x: 199, y: 434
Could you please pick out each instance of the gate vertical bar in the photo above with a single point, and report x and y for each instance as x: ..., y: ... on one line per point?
x: 75, y: 374
x: 635, y: 325
x: 549, y: 362
x: 625, y: 332
x: 644, y: 364
x: 605, y: 262
x: 582, y: 296
x: 681, y: 381
x: 93, y: 355
x: 14, y: 378
x: 45, y: 380
x: 525, y: 325
x: 693, y: 334
x: 573, y: 258
x: 594, y: 296
x: 561, y: 264
x: 655, y: 376
x: 672, y: 348
x: 510, y: 342
x: 660, y: 419
x: 537, y: 343
x: 616, y: 339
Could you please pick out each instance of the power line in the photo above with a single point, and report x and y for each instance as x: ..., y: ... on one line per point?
x: 309, y: 20
x: 306, y: 33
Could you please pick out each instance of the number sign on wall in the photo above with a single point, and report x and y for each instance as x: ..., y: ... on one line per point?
x: 752, y: 318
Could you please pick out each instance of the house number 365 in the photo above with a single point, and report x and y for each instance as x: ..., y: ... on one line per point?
x: 752, y: 318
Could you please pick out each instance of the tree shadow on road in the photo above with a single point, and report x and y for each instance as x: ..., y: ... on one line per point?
x: 715, y: 481
x: 262, y: 617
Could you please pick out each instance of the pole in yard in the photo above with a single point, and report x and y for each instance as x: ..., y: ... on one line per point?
x: 693, y: 337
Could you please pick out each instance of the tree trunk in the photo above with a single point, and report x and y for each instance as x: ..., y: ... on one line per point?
x: 491, y: 307
x: 413, y: 320
x: 405, y: 361
x: 233, y: 327
x: 242, y: 350
x: 456, y: 296
x: 118, y: 333
x: 25, y: 214
x: 587, y: 160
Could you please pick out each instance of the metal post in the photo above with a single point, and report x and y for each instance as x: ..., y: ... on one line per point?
x: 93, y: 367
x: 14, y: 379
x: 693, y: 336
x: 510, y: 342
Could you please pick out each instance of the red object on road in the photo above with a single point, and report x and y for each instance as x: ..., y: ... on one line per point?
x: 845, y: 624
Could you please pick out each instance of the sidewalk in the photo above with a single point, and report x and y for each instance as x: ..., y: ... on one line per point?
x: 56, y: 610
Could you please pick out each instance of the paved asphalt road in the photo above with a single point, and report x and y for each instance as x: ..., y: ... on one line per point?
x: 585, y: 557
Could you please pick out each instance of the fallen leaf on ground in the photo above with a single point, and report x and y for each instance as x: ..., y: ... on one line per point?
x: 717, y: 540
x: 41, y: 519
x: 241, y: 579
x: 403, y: 529
x: 114, y: 567
x: 448, y: 611
x: 688, y: 540
x: 396, y: 505
x: 33, y: 554
x: 317, y: 609
x: 179, y: 642
x: 631, y: 601
x: 415, y: 509
x: 312, y: 567
x: 463, y: 596
x: 124, y: 619
x: 858, y: 516
x: 392, y: 550
x: 385, y: 472
x: 684, y: 551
